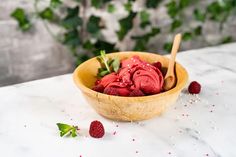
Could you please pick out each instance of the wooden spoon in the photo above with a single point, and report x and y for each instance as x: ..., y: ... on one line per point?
x: 170, y: 78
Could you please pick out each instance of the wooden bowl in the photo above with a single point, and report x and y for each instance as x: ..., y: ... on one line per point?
x: 127, y: 108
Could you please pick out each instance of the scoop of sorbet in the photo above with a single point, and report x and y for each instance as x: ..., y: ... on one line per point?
x: 134, y: 78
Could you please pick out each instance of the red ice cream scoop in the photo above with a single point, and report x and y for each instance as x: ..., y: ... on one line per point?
x: 134, y: 74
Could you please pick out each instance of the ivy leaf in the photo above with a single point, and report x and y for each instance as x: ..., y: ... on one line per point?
x: 93, y: 24
x: 141, y: 41
x: 144, y: 17
x: 72, y: 19
x: 226, y: 39
x: 67, y: 129
x: 218, y: 12
x: 55, y: 3
x: 172, y: 9
x: 128, y: 6
x: 187, y: 36
x: 175, y: 24
x: 140, y: 45
x: 167, y: 46
x: 103, y: 45
x: 184, y: 3
x: 111, y: 8
x: 148, y: 35
x: 47, y: 14
x: 71, y: 38
x: 198, y: 31
x: 81, y: 58
x: 152, y: 3
x: 88, y: 45
x: 22, y: 19
x: 126, y: 25
x: 199, y: 16
x: 99, y: 3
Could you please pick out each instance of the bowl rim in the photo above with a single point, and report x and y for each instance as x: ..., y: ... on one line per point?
x: 177, y: 88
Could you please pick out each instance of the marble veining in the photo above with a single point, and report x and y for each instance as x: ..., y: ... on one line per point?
x: 196, y: 126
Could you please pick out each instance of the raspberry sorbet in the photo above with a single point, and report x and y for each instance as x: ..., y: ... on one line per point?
x: 134, y: 78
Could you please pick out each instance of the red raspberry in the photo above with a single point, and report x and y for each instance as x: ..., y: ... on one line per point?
x: 136, y: 92
x: 194, y: 87
x: 98, y: 88
x: 96, y: 129
x: 97, y: 82
x: 111, y: 91
x: 158, y: 65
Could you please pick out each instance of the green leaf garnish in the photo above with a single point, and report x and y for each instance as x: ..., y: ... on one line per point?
x: 66, y: 129
x: 104, y: 60
x: 108, y: 65
x: 115, y: 64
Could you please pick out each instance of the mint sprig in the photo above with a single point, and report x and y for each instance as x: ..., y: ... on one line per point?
x: 107, y: 65
x: 66, y: 129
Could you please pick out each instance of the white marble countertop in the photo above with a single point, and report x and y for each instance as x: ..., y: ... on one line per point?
x: 196, y: 126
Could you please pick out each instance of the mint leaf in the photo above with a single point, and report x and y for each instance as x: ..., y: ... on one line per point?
x: 102, y: 72
x: 126, y: 25
x: 107, y: 65
x: 47, y: 14
x: 93, y: 26
x: 66, y: 129
x: 116, y: 64
x: 55, y: 3
x: 22, y: 19
x: 104, y: 60
x: 72, y: 19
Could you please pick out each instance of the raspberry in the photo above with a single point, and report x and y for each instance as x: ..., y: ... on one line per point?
x: 98, y: 88
x: 97, y: 82
x: 96, y: 129
x: 194, y: 87
x: 111, y: 91
x: 136, y: 92
x: 158, y: 65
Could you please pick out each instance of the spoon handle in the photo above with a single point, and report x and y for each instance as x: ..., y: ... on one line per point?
x: 174, y: 51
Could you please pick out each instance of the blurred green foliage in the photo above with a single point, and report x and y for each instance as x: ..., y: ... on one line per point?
x: 84, y: 34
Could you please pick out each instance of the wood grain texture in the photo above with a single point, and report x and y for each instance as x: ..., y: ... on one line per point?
x: 128, y: 108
